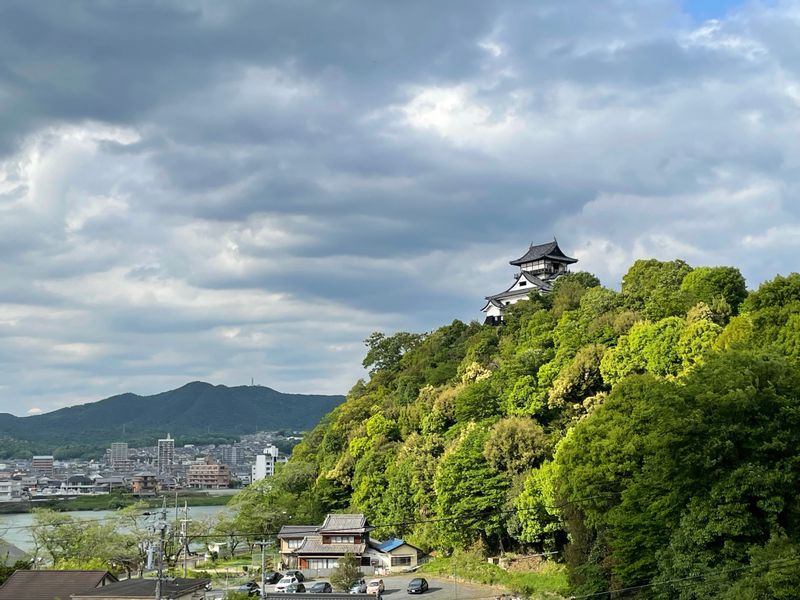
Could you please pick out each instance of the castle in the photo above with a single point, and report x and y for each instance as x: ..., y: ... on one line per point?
x: 539, y: 267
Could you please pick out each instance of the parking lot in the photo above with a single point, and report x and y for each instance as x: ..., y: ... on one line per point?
x: 439, y: 589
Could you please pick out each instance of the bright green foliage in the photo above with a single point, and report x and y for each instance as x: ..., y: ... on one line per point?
x: 654, y: 288
x: 712, y: 284
x: 477, y: 401
x: 580, y: 379
x: 385, y: 352
x: 645, y: 436
x: 696, y: 341
x: 524, y: 398
x: 346, y: 573
x: 516, y: 445
x: 683, y: 479
x: 65, y: 542
x: 468, y: 491
x: 537, y: 506
x: 779, y: 292
x: 569, y: 289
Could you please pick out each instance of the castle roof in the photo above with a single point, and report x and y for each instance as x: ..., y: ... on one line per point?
x: 549, y: 250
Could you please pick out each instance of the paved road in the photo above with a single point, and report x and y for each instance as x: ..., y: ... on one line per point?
x: 439, y: 589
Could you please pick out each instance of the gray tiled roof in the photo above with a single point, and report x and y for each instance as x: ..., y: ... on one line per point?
x: 548, y: 250
x: 313, y: 545
x: 145, y: 588
x: 293, y: 531
x: 46, y: 585
x: 344, y: 523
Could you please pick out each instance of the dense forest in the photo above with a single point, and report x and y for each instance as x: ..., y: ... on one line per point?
x: 650, y: 437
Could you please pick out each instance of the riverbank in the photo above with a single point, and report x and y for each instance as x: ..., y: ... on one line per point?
x: 114, y: 501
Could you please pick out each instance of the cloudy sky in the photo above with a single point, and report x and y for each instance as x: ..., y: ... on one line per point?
x: 225, y: 190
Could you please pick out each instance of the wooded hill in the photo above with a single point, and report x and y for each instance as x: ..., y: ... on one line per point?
x: 195, y: 411
x: 650, y: 436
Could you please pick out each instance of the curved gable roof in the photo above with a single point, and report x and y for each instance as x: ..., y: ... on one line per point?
x: 549, y: 250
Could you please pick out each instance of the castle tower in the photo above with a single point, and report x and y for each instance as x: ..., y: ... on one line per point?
x: 539, y: 267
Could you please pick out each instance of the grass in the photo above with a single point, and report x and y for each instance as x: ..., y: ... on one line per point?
x: 550, y: 581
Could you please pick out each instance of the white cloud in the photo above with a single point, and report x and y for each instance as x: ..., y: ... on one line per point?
x: 225, y: 201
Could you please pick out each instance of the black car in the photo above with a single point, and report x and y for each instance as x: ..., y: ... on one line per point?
x: 321, y: 587
x: 417, y: 585
x: 297, y: 574
x: 272, y: 577
x: 251, y: 588
x: 295, y: 588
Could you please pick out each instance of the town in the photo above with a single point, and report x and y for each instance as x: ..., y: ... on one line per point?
x: 146, y: 471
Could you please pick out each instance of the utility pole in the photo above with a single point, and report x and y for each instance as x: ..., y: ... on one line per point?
x: 161, y: 525
x: 263, y: 568
x: 184, y: 535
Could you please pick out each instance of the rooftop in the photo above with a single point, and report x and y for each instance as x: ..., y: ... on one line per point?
x: 344, y: 523
x: 46, y: 585
x: 145, y: 588
x: 549, y: 250
x: 313, y: 545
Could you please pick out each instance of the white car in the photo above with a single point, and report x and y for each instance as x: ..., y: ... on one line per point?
x: 285, y: 582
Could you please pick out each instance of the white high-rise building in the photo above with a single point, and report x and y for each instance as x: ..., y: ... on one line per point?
x: 265, y: 463
x: 166, y: 454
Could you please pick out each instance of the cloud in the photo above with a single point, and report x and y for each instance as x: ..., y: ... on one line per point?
x: 226, y: 191
x: 35, y: 411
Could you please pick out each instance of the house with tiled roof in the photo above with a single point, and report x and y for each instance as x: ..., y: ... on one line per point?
x: 317, y: 549
x: 539, y: 268
x: 47, y: 585
x: 174, y: 588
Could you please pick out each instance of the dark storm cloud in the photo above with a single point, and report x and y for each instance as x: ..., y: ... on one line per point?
x: 220, y: 190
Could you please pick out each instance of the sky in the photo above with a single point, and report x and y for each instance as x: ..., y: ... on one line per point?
x: 225, y: 191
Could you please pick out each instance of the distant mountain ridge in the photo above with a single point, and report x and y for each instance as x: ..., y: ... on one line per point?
x: 195, y: 409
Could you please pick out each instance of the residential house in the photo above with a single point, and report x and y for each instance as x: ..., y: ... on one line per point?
x: 145, y: 589
x: 47, y: 585
x: 10, y: 490
x: 318, y: 549
x: 392, y: 556
x: 78, y: 485
x: 144, y: 484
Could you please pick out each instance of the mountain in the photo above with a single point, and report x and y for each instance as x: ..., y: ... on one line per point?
x: 195, y: 410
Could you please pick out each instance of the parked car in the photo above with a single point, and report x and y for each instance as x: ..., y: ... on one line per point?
x: 298, y: 574
x: 375, y: 586
x: 251, y: 588
x: 418, y: 585
x: 295, y: 588
x: 359, y: 587
x: 286, y: 581
x: 272, y: 577
x: 321, y: 587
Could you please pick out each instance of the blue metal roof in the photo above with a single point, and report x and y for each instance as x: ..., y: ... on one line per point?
x: 391, y: 544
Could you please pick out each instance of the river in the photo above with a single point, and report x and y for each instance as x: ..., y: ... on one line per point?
x: 16, y: 528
